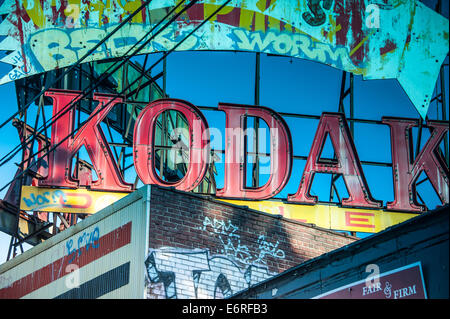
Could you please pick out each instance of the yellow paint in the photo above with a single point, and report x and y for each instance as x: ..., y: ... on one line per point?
x: 329, y: 216
x: 383, y: 56
x: 129, y: 7
x: 263, y: 5
x: 361, y: 43
x: 66, y: 200
x: 75, y: 2
x: 100, y: 7
x: 335, y: 28
x: 210, y: 8
x: 73, y: 11
x: 35, y: 12
x: 290, y: 28
x: 247, y: 17
x: 246, y: 20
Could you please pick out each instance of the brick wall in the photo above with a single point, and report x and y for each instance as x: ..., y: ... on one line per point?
x: 203, y: 248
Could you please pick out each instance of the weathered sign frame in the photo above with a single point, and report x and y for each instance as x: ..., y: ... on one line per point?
x: 344, y: 93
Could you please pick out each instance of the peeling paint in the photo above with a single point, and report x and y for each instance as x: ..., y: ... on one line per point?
x: 63, y: 30
x: 389, y: 47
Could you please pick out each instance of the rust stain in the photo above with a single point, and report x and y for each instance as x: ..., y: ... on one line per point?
x: 388, y: 47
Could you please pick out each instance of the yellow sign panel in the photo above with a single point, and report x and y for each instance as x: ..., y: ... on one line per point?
x: 329, y: 216
x: 325, y: 216
x: 66, y: 200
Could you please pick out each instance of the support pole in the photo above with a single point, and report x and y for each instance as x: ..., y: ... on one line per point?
x: 443, y: 97
x: 164, y: 77
x: 255, y: 167
x: 343, y: 94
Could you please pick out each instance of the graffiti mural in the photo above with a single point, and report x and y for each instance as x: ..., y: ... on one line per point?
x: 175, y: 273
x: 235, y: 264
x: 374, y: 38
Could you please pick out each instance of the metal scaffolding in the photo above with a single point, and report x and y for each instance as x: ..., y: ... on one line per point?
x: 138, y: 87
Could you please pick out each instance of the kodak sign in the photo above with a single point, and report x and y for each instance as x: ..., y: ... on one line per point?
x: 406, y: 169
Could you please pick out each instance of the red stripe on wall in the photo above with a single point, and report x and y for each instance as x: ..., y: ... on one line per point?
x: 108, y: 243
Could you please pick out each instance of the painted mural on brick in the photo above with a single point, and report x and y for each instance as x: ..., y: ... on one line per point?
x: 374, y: 38
x: 177, y: 273
x: 186, y: 274
x: 204, y: 248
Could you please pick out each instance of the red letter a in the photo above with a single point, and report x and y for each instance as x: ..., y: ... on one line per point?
x: 348, y: 164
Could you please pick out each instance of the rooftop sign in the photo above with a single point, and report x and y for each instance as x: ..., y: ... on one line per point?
x: 64, y: 146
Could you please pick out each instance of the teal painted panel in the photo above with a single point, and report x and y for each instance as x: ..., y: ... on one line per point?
x: 378, y: 39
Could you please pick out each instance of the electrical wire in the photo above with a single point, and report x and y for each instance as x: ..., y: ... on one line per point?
x: 118, y: 95
x: 79, y: 61
x: 6, y: 158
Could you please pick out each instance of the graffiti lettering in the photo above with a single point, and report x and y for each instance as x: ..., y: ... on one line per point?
x: 238, y: 252
x: 220, y: 227
x: 65, y: 200
x: 296, y: 45
x: 346, y: 27
x: 47, y: 199
x: 65, y: 46
x: 35, y: 12
x: 18, y: 73
x: 232, y: 247
x: 267, y: 248
x: 62, y: 47
x: 86, y: 241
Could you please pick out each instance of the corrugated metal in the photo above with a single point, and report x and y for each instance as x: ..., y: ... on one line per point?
x: 111, y: 257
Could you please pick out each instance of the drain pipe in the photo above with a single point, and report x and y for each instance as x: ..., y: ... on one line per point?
x: 147, y: 226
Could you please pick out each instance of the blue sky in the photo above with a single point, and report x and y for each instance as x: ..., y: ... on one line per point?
x: 287, y: 85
